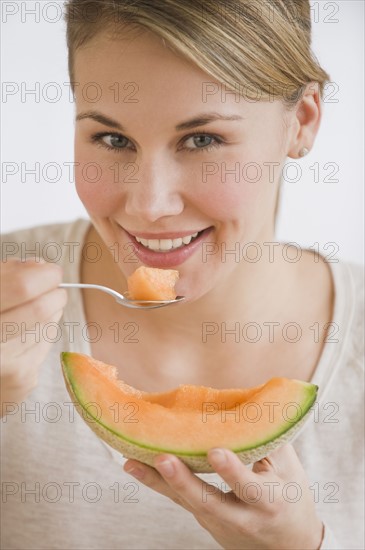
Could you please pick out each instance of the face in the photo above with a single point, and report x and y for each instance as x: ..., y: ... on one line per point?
x: 162, y: 186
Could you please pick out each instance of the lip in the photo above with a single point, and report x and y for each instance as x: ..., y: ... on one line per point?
x: 165, y: 260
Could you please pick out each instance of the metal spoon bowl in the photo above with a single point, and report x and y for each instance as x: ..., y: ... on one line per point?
x: 123, y: 298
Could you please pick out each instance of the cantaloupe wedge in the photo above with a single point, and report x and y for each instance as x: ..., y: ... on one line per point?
x: 189, y: 420
x: 150, y: 283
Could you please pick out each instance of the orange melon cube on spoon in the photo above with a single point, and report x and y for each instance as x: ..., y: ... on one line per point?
x: 150, y: 283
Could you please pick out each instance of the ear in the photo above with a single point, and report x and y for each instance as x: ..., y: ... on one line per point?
x: 305, y: 121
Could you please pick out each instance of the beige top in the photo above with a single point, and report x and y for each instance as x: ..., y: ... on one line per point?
x: 64, y: 488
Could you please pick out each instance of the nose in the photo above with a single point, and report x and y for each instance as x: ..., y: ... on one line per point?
x: 155, y: 192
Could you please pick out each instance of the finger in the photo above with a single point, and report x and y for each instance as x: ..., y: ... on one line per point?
x: 23, y: 281
x: 25, y: 362
x: 204, y: 500
x: 22, y: 378
x: 19, y: 320
x: 199, y: 496
x: 17, y: 339
x: 245, y: 483
x: 151, y: 478
x: 283, y: 461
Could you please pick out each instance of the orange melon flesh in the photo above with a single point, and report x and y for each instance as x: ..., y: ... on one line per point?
x: 150, y: 283
x: 189, y: 420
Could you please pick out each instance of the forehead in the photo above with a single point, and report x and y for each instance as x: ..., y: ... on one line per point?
x: 138, y: 74
x: 142, y: 62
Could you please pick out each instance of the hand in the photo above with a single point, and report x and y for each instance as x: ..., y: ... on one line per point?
x: 268, y: 507
x: 29, y: 295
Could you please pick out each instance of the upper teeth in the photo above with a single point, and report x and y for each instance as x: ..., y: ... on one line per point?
x: 166, y: 244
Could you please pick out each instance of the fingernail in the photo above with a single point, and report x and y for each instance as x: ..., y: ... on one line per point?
x: 135, y: 472
x: 166, y: 467
x: 219, y: 456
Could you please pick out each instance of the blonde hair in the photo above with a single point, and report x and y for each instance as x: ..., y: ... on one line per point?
x: 260, y: 49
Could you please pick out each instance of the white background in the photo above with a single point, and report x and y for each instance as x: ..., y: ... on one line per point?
x: 313, y: 210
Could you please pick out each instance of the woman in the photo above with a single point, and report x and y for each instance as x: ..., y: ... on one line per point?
x: 185, y: 115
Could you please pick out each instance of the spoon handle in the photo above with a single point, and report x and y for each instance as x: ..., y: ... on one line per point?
x: 106, y: 289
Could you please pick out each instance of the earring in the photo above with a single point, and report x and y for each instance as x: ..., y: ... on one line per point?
x: 303, y: 152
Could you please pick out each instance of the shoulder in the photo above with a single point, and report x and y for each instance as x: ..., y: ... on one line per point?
x: 48, y: 241
x: 356, y: 272
x: 355, y: 295
x: 341, y: 367
x: 45, y: 233
x: 346, y: 342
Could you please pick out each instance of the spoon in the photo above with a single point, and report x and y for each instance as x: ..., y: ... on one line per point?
x: 123, y: 298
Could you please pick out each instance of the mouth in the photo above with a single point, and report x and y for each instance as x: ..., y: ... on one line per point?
x: 165, y: 245
x: 166, y: 250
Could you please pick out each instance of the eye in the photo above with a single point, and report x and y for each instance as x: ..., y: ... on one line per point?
x: 202, y: 142
x: 112, y: 142
x: 117, y: 142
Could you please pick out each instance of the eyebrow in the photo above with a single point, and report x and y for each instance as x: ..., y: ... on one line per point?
x: 199, y: 120
x: 205, y: 118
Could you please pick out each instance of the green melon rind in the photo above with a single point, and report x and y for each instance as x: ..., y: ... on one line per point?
x: 197, y: 463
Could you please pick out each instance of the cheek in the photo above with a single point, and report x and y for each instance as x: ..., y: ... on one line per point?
x: 237, y: 189
x: 221, y: 200
x: 97, y: 184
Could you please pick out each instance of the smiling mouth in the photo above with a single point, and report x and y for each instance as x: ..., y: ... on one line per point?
x: 166, y: 245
